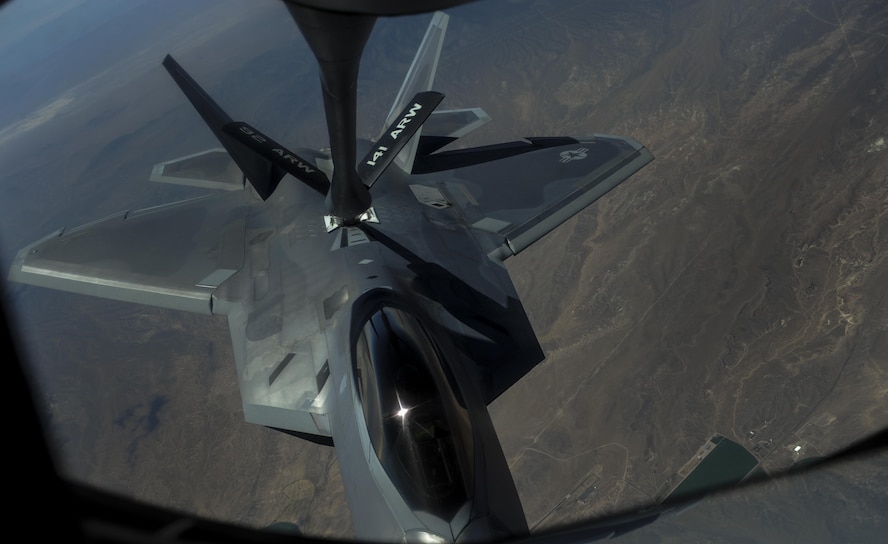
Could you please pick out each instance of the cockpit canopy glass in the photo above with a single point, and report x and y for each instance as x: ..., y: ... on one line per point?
x: 419, y: 431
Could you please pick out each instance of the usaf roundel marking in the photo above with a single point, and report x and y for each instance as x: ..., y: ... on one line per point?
x: 574, y: 154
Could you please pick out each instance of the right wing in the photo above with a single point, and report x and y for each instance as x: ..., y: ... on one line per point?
x: 173, y: 256
x: 200, y: 256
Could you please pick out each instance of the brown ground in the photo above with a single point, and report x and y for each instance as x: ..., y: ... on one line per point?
x: 736, y: 285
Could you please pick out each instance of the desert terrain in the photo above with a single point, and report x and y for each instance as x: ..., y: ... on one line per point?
x: 736, y: 285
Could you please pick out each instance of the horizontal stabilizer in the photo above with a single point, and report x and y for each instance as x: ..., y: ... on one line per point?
x: 398, y: 134
x: 278, y: 155
x: 455, y: 123
x: 445, y: 127
x: 263, y: 175
x: 210, y: 169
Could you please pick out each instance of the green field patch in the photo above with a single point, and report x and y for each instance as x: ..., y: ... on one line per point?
x: 726, y: 465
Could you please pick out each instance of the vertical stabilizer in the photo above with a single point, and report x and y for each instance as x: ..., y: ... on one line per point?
x: 262, y: 175
x: 420, y: 77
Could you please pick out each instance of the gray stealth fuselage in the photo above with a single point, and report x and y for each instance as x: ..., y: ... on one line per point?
x: 304, y: 300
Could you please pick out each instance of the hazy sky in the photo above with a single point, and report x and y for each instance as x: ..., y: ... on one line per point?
x: 51, y: 48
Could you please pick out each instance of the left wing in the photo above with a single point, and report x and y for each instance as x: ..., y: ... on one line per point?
x: 513, y: 194
x: 173, y: 256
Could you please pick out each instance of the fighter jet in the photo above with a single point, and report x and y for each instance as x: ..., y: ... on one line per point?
x: 367, y: 300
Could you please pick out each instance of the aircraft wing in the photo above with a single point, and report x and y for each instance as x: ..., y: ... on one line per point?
x: 173, y: 256
x: 200, y: 255
x: 513, y: 194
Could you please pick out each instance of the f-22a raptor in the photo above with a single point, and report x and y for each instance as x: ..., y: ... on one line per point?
x: 367, y: 300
